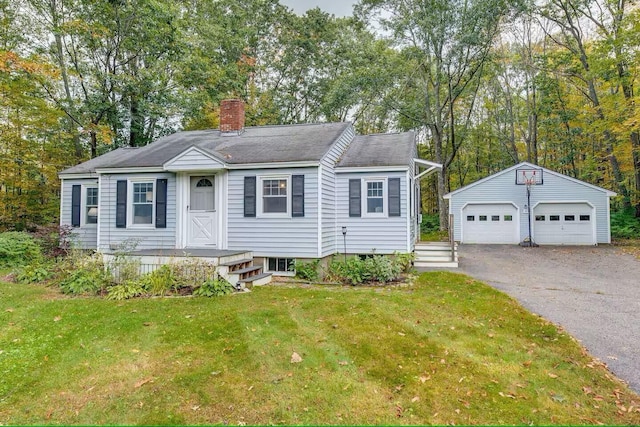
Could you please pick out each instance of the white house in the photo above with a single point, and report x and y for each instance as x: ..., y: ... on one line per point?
x: 561, y: 210
x: 281, y: 192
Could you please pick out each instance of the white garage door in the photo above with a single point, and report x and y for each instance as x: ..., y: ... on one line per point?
x: 563, y: 224
x: 490, y: 223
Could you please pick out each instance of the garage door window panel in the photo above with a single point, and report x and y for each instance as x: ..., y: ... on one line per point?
x: 471, y: 218
x: 569, y: 217
x: 554, y: 217
x: 508, y: 217
x: 482, y: 218
x: 585, y: 217
x: 495, y: 217
x: 540, y: 217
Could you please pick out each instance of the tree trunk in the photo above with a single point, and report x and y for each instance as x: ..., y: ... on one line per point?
x: 71, y: 128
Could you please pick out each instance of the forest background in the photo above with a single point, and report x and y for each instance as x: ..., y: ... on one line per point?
x: 485, y: 84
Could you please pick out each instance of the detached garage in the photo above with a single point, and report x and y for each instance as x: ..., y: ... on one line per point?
x: 562, y: 210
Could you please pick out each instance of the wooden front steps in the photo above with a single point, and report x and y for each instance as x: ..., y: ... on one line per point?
x: 242, y: 274
x: 435, y: 254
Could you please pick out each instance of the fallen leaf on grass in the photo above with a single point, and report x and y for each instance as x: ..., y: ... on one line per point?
x: 587, y: 390
x: 57, y: 319
x: 9, y: 310
x: 415, y: 399
x: 509, y: 395
x: 143, y: 382
x: 343, y: 363
x: 527, y: 363
x: 296, y: 358
x: 424, y: 379
x: 554, y: 376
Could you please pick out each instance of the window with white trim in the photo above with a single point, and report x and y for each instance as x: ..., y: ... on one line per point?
x: 374, y: 200
x: 281, y: 265
x: 275, y: 195
x: 142, y: 205
x: 91, y: 205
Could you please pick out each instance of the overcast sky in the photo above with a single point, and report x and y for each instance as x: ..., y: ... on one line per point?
x: 337, y: 7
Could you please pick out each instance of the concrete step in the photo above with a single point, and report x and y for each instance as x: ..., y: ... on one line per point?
x: 435, y: 258
x: 431, y: 246
x: 440, y: 252
x: 435, y: 264
x: 257, y: 280
x: 235, y: 259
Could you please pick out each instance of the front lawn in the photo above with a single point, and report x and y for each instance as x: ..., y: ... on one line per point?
x: 444, y: 350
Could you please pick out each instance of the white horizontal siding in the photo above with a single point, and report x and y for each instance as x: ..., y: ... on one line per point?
x: 154, y: 238
x: 502, y: 188
x: 193, y: 160
x: 330, y: 242
x: 85, y: 236
x: 366, y: 235
x: 269, y: 236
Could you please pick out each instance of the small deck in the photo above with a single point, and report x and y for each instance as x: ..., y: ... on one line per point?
x: 235, y: 266
x: 188, y: 252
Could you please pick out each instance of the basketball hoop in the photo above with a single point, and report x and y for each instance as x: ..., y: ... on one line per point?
x: 529, y: 178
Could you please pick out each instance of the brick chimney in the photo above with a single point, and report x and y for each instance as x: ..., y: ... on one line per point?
x: 231, y: 116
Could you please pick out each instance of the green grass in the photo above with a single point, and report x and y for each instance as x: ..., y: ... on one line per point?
x: 444, y: 350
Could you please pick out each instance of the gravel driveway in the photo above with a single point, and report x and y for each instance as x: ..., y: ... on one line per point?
x: 592, y: 292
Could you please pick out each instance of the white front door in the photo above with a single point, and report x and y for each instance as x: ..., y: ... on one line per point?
x: 201, y: 212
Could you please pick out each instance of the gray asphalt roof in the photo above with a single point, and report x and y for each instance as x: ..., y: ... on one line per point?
x: 384, y: 149
x: 260, y: 144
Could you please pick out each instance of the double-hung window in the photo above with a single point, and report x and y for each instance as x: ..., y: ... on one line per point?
x: 91, y: 205
x: 275, y: 195
x: 142, y: 203
x: 375, y: 197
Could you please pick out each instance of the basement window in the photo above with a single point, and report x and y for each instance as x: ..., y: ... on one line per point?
x: 281, y: 265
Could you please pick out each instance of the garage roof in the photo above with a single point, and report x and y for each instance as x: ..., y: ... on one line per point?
x: 530, y: 165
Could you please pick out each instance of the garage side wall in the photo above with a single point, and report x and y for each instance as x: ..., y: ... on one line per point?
x: 501, y: 188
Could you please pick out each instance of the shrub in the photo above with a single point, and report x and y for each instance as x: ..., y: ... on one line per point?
x: 54, y: 239
x: 81, y: 274
x: 18, y: 248
x: 159, y: 282
x: 214, y: 288
x: 125, y: 290
x: 430, y: 223
x: 624, y: 225
x: 192, y: 273
x: 307, y: 270
x: 380, y: 268
x: 33, y: 274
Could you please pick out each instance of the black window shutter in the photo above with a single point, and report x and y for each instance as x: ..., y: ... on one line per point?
x: 161, y: 203
x: 249, y: 196
x: 297, y: 195
x: 355, y: 205
x: 75, y: 205
x: 394, y: 196
x: 121, y: 204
